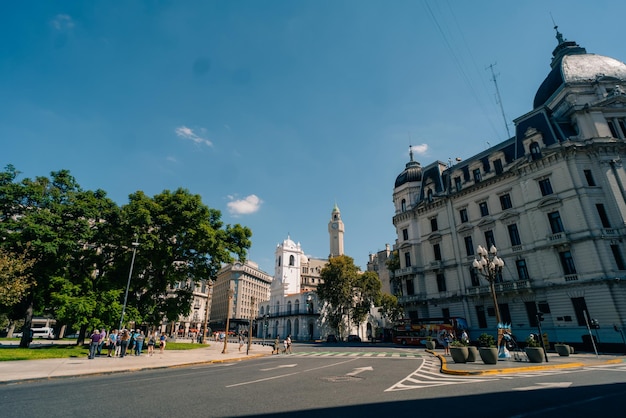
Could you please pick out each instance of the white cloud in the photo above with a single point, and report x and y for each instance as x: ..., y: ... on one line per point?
x: 188, y: 133
x: 420, y: 149
x: 246, y: 206
x: 63, y: 23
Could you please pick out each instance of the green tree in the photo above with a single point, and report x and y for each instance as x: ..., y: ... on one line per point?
x: 390, y: 309
x: 367, y: 294
x: 52, y: 221
x: 14, y: 278
x: 346, y: 292
x: 393, y: 264
x: 181, y: 241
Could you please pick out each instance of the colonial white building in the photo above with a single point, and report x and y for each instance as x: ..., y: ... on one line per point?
x: 552, y: 200
x: 293, y: 307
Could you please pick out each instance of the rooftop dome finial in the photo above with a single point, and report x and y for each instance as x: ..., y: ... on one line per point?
x: 411, y: 152
x: 559, y: 35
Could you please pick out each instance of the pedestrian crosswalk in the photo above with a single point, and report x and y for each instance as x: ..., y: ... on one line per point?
x: 367, y: 354
x: 428, y: 375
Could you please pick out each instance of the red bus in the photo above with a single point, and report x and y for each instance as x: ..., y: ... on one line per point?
x: 416, y: 331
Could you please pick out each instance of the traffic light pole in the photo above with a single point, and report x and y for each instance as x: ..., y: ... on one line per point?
x: 543, y: 345
x: 590, y: 334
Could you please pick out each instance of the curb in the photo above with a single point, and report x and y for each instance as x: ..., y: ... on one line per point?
x: 135, y: 369
x: 509, y: 370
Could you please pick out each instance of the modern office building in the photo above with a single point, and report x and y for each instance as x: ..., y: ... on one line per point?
x: 552, y: 202
x: 247, y: 286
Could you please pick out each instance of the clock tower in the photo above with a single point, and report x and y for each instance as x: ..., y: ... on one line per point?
x: 335, y: 230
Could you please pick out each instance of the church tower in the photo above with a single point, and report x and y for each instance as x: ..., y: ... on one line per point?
x: 287, y: 268
x: 335, y: 230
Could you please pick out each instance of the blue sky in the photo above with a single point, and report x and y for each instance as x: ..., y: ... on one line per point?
x: 273, y: 111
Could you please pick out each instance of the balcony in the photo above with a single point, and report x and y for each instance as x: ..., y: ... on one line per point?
x: 407, y: 271
x: 503, y: 287
x: 436, y: 264
x: 557, y: 239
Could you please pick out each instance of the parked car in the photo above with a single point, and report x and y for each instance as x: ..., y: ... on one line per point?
x: 44, y: 332
x: 17, y: 334
x: 354, y: 339
x: 331, y: 338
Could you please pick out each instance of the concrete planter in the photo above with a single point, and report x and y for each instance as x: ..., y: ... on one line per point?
x: 489, y: 355
x: 535, y: 354
x: 459, y: 354
x: 562, y: 349
x: 472, y: 354
x: 430, y: 345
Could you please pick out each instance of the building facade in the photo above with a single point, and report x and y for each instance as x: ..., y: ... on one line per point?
x: 247, y: 287
x: 293, y: 307
x: 551, y: 199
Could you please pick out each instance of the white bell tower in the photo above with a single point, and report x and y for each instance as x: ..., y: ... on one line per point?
x: 335, y: 230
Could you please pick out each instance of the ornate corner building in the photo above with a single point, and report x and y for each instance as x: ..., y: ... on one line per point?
x: 551, y: 199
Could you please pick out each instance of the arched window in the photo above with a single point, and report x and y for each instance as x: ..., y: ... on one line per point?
x: 277, y: 308
x: 278, y: 261
x: 262, y: 311
x: 297, y: 306
x: 292, y: 260
x: 535, y: 151
x: 403, y: 204
x: 289, y: 308
x: 430, y: 195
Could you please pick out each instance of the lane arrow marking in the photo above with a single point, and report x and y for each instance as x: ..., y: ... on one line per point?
x: 279, y: 367
x: 551, y: 385
x: 360, y: 370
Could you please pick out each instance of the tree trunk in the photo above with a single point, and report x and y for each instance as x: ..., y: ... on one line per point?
x: 28, y: 324
x: 81, y: 335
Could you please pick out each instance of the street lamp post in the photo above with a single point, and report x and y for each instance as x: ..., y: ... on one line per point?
x: 265, y: 328
x: 252, y: 300
x: 489, y: 265
x: 135, y: 244
x: 231, y: 292
x: 206, y: 310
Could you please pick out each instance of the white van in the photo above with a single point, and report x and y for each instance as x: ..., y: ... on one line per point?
x: 44, y: 332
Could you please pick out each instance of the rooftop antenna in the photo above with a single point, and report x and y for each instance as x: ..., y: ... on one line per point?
x: 499, y: 99
x: 559, y: 35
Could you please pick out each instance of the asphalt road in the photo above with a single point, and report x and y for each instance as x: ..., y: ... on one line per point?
x: 337, y: 381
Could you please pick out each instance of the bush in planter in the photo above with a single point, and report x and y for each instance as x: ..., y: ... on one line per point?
x: 533, y: 350
x: 459, y: 351
x: 488, y: 350
x: 486, y: 340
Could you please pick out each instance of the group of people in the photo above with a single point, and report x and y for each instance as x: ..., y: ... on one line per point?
x: 446, y: 337
x: 286, y: 345
x: 121, y: 343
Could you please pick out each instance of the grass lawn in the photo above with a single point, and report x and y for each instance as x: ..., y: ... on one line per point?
x: 8, y: 353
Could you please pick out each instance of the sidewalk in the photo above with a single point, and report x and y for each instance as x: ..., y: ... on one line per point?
x: 29, y: 370
x: 508, y: 366
x: 32, y: 370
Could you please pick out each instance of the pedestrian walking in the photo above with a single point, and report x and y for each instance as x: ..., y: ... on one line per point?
x: 139, y: 339
x: 288, y: 348
x: 103, y: 340
x: 162, y: 342
x: 95, y: 342
x: 112, y: 342
x: 240, y: 341
x: 276, y: 345
x: 151, y: 344
x: 124, y: 343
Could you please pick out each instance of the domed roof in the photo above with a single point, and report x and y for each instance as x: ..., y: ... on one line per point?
x: 412, y: 172
x: 572, y: 64
x: 304, y: 259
